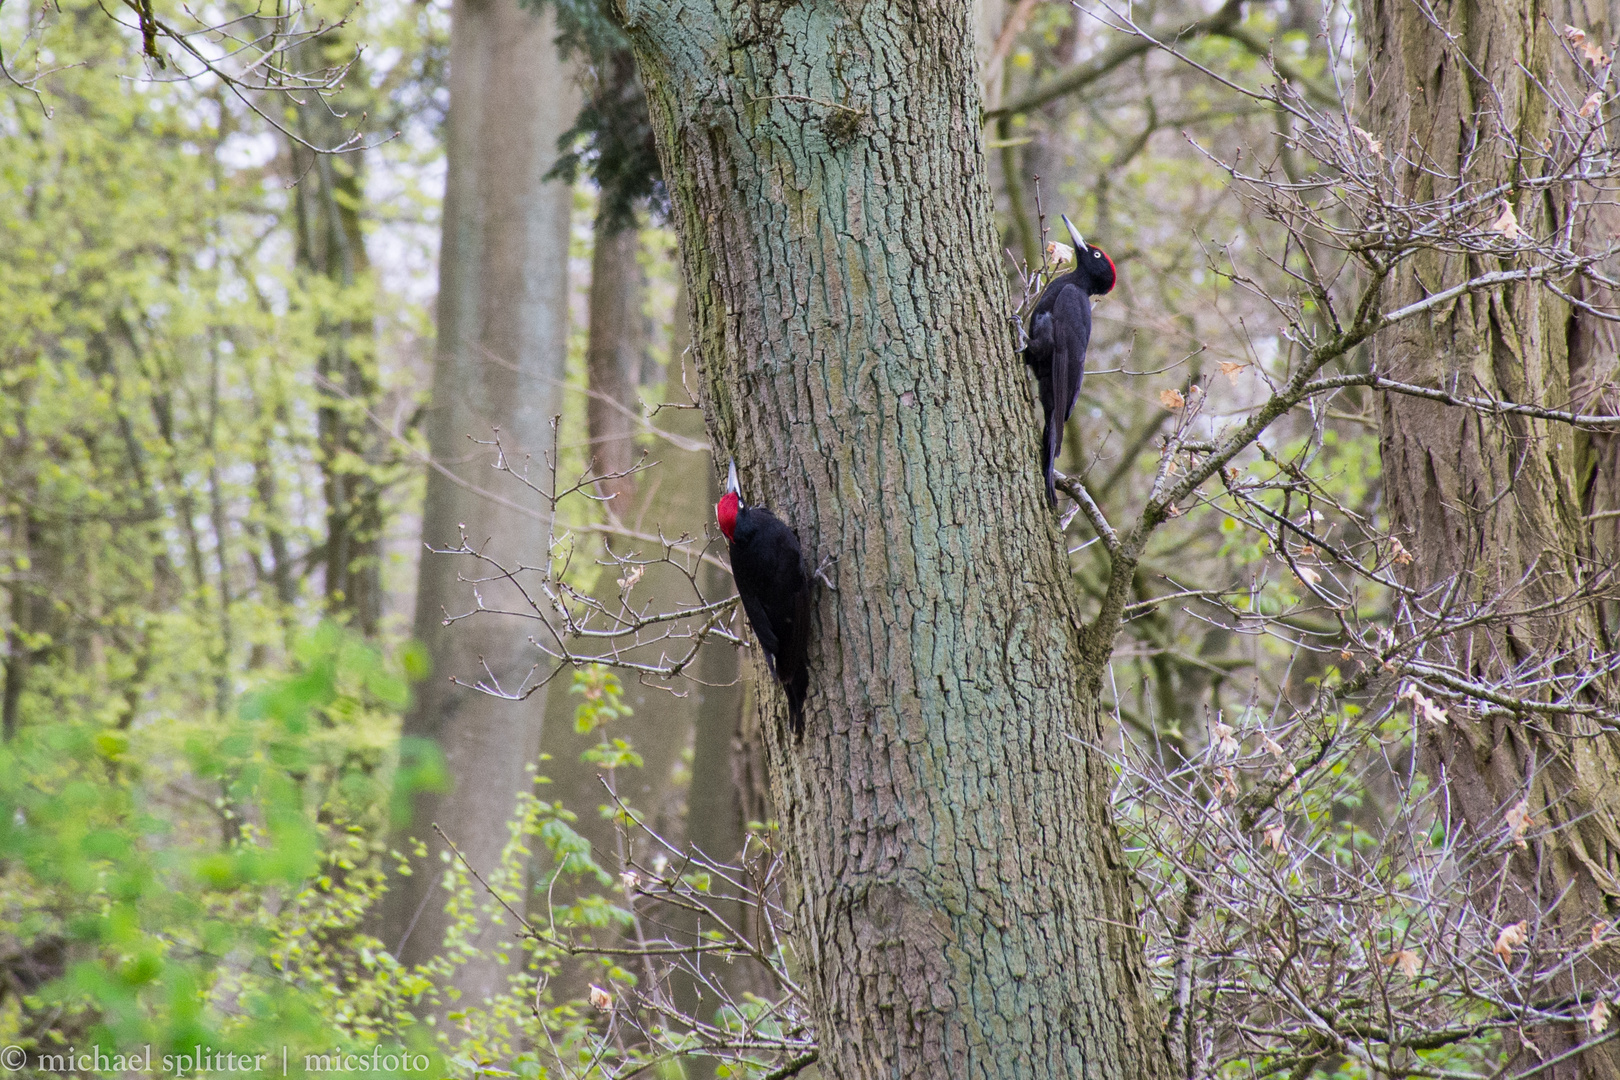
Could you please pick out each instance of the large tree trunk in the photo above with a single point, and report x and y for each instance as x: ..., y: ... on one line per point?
x: 503, y: 321
x: 963, y: 908
x: 1500, y: 503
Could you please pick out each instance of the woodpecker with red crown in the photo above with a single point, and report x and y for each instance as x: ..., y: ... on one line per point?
x: 1059, y: 331
x: 775, y: 590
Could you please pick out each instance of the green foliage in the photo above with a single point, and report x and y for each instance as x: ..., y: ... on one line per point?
x: 603, y: 703
x: 603, y: 696
x: 200, y: 777
x: 201, y: 882
x: 205, y: 883
x: 158, y: 452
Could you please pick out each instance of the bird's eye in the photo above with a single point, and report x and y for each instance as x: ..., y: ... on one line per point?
x: 1096, y: 254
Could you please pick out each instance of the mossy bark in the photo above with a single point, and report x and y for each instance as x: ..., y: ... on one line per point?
x: 963, y: 908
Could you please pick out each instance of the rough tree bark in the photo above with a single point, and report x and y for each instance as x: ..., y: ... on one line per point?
x: 964, y: 911
x: 499, y: 364
x: 1502, y: 503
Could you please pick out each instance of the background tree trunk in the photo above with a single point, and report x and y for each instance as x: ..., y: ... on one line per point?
x: 963, y: 907
x: 1498, y: 502
x: 720, y: 802
x: 613, y: 356
x: 674, y: 503
x: 503, y: 321
x: 329, y: 192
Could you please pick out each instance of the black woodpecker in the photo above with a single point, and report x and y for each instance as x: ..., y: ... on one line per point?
x: 1059, y: 331
x: 775, y: 590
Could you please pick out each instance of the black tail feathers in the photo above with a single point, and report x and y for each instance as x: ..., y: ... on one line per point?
x: 796, y: 684
x: 1051, y: 443
x: 797, y: 690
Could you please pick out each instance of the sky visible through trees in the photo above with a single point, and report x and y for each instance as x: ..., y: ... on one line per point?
x: 373, y: 682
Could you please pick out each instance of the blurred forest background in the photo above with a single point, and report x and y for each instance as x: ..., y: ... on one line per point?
x: 289, y: 301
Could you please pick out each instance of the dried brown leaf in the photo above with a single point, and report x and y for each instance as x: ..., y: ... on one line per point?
x: 1589, y: 107
x: 600, y: 998
x: 1506, y: 224
x: 1518, y: 821
x: 1171, y: 399
x: 1406, y: 961
x: 1424, y: 707
x: 1512, y: 936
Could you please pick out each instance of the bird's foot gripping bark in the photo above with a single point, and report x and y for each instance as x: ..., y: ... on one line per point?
x: 820, y: 572
x: 1064, y: 483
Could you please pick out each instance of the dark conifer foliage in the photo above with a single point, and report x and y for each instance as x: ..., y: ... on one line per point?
x: 611, y: 139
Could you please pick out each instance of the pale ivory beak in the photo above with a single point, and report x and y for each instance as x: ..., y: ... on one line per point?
x: 1074, y: 234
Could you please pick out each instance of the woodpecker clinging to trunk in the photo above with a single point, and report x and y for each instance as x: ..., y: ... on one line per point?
x: 775, y: 590
x: 1059, y: 331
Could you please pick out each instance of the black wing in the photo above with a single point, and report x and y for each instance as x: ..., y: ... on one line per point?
x: 1038, y: 356
x: 1038, y: 349
x: 1071, y: 334
x: 769, y: 569
x: 1058, y: 335
x: 759, y: 617
x: 793, y: 663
